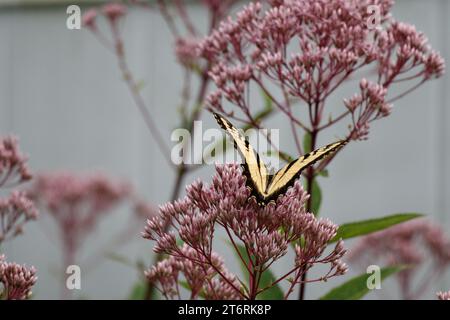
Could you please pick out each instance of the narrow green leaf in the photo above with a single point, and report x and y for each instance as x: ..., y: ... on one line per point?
x: 283, y: 155
x: 356, y: 229
x: 275, y: 292
x: 286, y: 157
x: 242, y: 256
x: 120, y: 259
x: 266, y: 111
x: 356, y: 288
x: 323, y: 173
x: 316, y: 200
x: 268, y: 103
x: 307, y: 143
x: 316, y: 197
x: 258, y: 117
x: 180, y: 242
x: 186, y: 286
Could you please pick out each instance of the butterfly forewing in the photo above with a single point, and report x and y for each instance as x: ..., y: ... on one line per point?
x: 256, y: 170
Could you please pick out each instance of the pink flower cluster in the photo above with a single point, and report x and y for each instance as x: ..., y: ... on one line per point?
x: 13, y: 164
x: 443, y: 295
x: 16, y: 280
x: 185, y: 50
x: 77, y: 202
x: 15, y: 211
x: 265, y: 231
x: 200, y: 275
x: 308, y: 48
x: 112, y: 11
x: 414, y: 243
x: 367, y: 106
x: 144, y: 209
x: 93, y: 192
x: 186, y: 43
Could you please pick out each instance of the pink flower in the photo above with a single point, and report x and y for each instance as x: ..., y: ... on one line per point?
x: 17, y: 280
x: 89, y: 19
x: 114, y: 11
x: 265, y: 231
x: 416, y: 243
x: 186, y: 51
x: 13, y: 166
x: 308, y: 48
x: 443, y: 295
x: 366, y: 107
x: 15, y: 211
x: 434, y: 65
x: 199, y: 278
x: 77, y: 203
x: 145, y: 209
x: 95, y: 193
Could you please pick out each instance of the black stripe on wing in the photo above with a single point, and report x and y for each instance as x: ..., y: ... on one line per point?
x: 251, y: 182
x: 282, y: 189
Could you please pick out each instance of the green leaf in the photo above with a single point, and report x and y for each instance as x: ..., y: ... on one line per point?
x: 258, y: 117
x: 268, y: 103
x: 120, y: 259
x: 316, y: 200
x: 275, y: 292
x: 242, y: 256
x: 356, y: 288
x: 283, y: 155
x: 186, y: 286
x: 138, y: 291
x: 356, y: 229
x: 267, y: 278
x: 316, y: 192
x: 180, y: 242
x: 323, y: 173
x: 316, y: 197
x: 307, y: 143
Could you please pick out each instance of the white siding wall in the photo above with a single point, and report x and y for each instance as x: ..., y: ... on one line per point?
x: 62, y: 94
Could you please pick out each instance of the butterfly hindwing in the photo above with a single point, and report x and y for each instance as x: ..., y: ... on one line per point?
x: 254, y: 168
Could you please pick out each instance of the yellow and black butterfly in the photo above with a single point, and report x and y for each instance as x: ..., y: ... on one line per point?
x: 266, y: 187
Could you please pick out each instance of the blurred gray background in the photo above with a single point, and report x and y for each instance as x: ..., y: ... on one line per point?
x: 62, y: 93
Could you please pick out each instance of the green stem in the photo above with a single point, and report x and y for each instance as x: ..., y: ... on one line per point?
x: 309, y: 179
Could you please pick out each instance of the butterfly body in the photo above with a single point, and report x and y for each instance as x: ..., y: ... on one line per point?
x: 264, y: 186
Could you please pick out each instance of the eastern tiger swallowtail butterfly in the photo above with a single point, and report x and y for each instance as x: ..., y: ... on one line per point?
x: 266, y: 187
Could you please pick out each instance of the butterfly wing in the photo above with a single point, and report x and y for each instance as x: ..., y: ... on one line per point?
x: 284, y: 178
x: 254, y: 168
